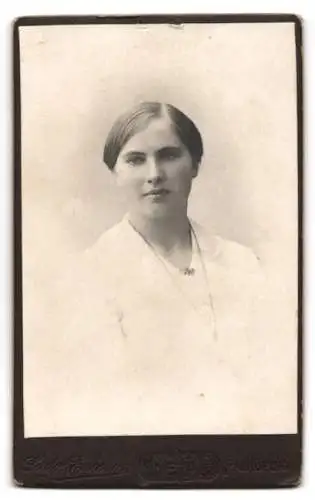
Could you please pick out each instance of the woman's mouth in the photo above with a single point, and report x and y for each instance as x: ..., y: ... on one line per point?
x: 157, y: 193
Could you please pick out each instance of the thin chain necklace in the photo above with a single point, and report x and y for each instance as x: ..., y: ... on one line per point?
x: 188, y: 271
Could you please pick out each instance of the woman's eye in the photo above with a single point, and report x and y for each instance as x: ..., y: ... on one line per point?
x: 169, y: 155
x: 135, y: 160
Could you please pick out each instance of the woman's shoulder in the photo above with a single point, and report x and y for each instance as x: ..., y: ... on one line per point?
x: 92, y: 270
x: 234, y: 253
x: 226, y: 252
x: 109, y: 239
x: 108, y: 248
x: 84, y: 266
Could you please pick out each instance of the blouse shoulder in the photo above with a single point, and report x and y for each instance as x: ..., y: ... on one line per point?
x: 85, y: 269
x: 110, y: 240
x: 234, y: 254
x: 106, y: 251
x: 227, y: 253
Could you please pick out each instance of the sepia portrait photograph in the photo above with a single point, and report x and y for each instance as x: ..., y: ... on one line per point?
x: 159, y: 228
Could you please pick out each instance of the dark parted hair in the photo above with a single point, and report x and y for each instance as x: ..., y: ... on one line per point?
x: 136, y: 119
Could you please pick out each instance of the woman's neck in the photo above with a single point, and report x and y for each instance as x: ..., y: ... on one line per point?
x: 170, y: 237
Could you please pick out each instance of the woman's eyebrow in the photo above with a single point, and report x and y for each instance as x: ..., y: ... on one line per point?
x: 133, y: 153
x: 169, y: 149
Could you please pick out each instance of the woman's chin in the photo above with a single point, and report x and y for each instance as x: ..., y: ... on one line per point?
x: 154, y: 212
x: 157, y: 211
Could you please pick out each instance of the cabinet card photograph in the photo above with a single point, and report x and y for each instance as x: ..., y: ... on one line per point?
x: 157, y: 223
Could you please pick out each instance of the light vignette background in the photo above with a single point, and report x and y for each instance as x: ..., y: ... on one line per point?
x: 236, y: 81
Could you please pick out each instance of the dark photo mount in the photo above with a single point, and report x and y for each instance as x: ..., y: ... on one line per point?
x: 150, y: 461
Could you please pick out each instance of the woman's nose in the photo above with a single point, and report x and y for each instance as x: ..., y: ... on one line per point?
x: 155, y: 173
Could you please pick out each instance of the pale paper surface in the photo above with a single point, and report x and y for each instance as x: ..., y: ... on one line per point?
x: 238, y: 83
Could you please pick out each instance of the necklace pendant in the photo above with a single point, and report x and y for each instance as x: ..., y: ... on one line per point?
x: 189, y: 271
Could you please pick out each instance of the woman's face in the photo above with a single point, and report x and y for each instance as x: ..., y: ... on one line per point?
x: 155, y: 169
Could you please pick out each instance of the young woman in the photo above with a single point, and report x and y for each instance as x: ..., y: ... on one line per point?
x: 161, y: 330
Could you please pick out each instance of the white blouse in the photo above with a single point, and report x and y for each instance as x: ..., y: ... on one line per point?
x: 140, y: 348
